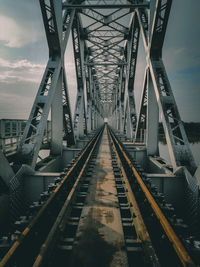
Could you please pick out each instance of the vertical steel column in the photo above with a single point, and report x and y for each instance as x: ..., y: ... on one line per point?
x: 152, y: 119
x: 57, y: 119
x: 92, y: 117
x: 123, y: 88
x: 89, y: 100
x: 140, y: 136
x: 131, y: 56
x: 67, y: 116
x: 128, y: 124
x: 56, y: 105
x: 80, y: 124
x: 153, y: 39
x: 49, y: 94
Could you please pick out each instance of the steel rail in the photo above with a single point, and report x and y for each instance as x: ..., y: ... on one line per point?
x: 138, y: 220
x: 176, y: 243
x: 15, y: 250
x: 51, y: 238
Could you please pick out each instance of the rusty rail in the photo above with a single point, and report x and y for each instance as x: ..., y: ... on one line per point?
x: 177, y: 245
x: 27, y: 247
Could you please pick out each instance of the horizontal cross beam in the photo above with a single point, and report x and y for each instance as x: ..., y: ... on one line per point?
x: 98, y: 6
x: 105, y: 64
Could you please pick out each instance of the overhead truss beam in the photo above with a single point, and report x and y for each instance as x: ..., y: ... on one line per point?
x: 68, y: 4
x: 105, y: 37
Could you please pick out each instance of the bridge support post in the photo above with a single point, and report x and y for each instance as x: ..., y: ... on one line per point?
x: 128, y: 125
x: 95, y: 118
x: 140, y: 135
x: 92, y: 118
x: 153, y: 34
x: 57, y: 119
x: 89, y: 115
x: 98, y: 120
x: 51, y: 94
x: 79, y: 118
x: 152, y: 120
x: 122, y: 117
x: 118, y: 117
x: 115, y: 119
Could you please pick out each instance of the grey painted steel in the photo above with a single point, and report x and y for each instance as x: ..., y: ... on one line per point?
x: 141, y: 122
x: 157, y: 97
x: 132, y: 51
x: 80, y: 124
x: 105, y: 5
x: 152, y: 120
x: 153, y: 36
x: 6, y: 172
x: 50, y: 92
x: 11, y: 132
x: 105, y: 53
x: 16, y: 192
x: 103, y: 47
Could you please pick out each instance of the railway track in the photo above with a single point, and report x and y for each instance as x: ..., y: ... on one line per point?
x: 55, y: 231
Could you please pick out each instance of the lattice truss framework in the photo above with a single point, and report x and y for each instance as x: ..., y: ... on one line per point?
x: 53, y: 92
x: 105, y: 35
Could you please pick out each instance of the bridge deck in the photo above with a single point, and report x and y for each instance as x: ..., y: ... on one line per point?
x: 100, y: 229
x: 101, y: 211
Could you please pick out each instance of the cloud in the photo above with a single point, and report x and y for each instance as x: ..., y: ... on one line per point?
x: 15, y: 34
x: 21, y: 70
x: 19, y: 82
x: 21, y: 64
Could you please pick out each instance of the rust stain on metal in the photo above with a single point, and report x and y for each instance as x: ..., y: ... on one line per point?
x: 179, y: 248
x: 100, y: 240
x: 109, y: 216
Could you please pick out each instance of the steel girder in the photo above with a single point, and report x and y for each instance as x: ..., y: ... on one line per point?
x: 80, y: 123
x: 157, y: 90
x: 131, y: 52
x: 53, y: 91
x: 84, y: 120
x: 120, y: 102
x: 102, y: 40
x: 105, y: 52
x: 104, y: 4
x: 90, y: 126
x: 157, y: 96
x: 140, y: 135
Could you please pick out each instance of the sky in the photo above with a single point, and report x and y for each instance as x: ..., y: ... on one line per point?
x: 24, y: 55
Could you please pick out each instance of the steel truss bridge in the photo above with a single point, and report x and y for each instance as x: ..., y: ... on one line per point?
x: 42, y: 198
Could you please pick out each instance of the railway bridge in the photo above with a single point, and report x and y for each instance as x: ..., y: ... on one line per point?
x: 102, y: 195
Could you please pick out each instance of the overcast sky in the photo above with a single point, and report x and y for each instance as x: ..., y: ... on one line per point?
x: 24, y: 54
